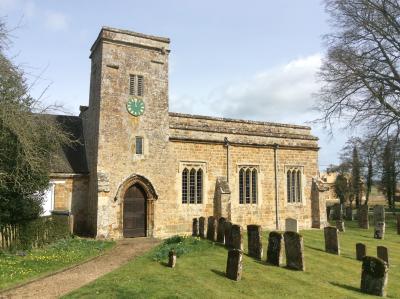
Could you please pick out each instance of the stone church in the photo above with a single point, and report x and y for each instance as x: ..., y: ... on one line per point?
x: 140, y: 170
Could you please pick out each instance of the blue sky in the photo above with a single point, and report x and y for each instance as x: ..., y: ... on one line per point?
x: 253, y: 59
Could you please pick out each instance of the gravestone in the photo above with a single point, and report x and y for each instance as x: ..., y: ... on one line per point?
x: 361, y: 251
x: 195, y: 227
x: 291, y: 225
x: 374, y: 276
x: 382, y: 253
x: 398, y: 224
x: 221, y: 230
x: 363, y: 217
x: 212, y: 228
x: 294, y: 250
x: 379, y: 214
x: 237, y: 237
x: 349, y: 214
x: 379, y: 232
x: 228, y: 233
x: 234, y: 264
x: 275, y: 249
x: 202, y: 227
x: 171, y: 259
x: 254, y: 242
x: 340, y: 225
x: 331, y: 240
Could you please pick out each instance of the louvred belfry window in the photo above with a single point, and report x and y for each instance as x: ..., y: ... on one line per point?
x: 136, y: 85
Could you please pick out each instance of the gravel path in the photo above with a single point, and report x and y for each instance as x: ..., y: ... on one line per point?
x: 66, y: 281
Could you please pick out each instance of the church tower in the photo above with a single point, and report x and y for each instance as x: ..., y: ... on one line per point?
x: 126, y: 132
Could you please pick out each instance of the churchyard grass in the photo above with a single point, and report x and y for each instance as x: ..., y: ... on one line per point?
x: 15, y: 269
x: 201, y: 273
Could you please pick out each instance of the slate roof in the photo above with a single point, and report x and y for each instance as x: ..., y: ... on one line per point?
x: 72, y: 158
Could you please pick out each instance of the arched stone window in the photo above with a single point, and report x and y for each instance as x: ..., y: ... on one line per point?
x: 248, y: 185
x: 294, y: 185
x: 192, y: 186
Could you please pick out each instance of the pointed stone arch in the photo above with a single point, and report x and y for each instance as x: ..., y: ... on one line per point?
x: 150, y: 195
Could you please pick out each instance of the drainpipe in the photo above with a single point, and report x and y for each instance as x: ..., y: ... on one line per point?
x: 276, y: 146
x: 226, y: 144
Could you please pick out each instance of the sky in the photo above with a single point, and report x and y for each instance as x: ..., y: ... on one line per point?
x: 241, y: 59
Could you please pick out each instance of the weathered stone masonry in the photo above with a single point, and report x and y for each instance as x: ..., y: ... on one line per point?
x: 173, y: 142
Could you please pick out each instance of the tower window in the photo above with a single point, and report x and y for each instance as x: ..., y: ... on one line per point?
x: 139, y: 145
x: 248, y: 185
x: 136, y: 85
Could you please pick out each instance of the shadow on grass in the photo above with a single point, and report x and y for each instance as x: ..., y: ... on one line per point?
x: 220, y: 273
x: 314, y: 248
x: 165, y: 264
x: 347, y: 287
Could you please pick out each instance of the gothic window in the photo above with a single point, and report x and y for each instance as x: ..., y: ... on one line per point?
x: 139, y: 145
x: 192, y: 186
x: 136, y: 85
x: 294, y: 185
x: 247, y: 185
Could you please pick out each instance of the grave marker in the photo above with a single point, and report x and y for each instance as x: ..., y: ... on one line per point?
x: 294, y: 249
x: 361, y: 251
x: 363, y: 217
x: 237, y: 237
x: 171, y: 259
x: 212, y: 228
x: 254, y: 242
x: 234, y: 264
x: 221, y: 230
x: 228, y: 233
x: 379, y: 232
x: 195, y: 227
x: 275, y: 249
x: 202, y: 227
x: 374, y: 276
x: 291, y: 225
x: 331, y: 240
x: 340, y: 225
x: 379, y: 214
x: 382, y: 253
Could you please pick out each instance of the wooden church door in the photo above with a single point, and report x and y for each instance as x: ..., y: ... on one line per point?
x: 134, y: 211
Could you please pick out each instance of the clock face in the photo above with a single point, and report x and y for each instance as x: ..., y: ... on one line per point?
x: 135, y: 106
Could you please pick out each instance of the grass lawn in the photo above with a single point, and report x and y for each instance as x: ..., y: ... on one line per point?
x: 16, y: 269
x: 200, y: 273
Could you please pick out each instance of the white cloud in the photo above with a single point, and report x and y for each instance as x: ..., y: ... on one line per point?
x: 56, y: 21
x: 29, y: 9
x: 8, y: 5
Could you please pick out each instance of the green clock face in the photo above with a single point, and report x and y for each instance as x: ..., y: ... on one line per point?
x: 135, y: 106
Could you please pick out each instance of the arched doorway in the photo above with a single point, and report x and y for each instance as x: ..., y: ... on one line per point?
x: 135, y: 212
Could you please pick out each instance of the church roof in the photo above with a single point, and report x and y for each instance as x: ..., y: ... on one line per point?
x: 72, y: 158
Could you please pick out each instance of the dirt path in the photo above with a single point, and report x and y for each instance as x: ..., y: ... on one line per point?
x: 64, y: 282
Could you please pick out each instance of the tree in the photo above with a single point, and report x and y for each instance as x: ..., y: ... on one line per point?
x: 361, y: 72
x: 343, y: 188
x: 355, y: 176
x: 28, y: 144
x: 389, y: 174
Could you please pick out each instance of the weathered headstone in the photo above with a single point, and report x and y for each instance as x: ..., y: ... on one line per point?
x: 294, y: 250
x: 234, y: 264
x: 221, y: 230
x: 361, y: 251
x: 379, y: 214
x: 202, y: 227
x: 363, y: 217
x: 349, y: 214
x: 398, y: 224
x: 237, y: 237
x: 254, y: 242
x: 374, y: 276
x: 171, y: 259
x: 331, y: 240
x: 195, y: 227
x: 228, y: 233
x: 275, y: 249
x: 340, y: 225
x: 382, y: 253
x: 379, y: 232
x: 212, y: 228
x: 291, y: 225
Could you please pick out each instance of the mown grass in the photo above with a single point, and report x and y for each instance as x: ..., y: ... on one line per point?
x: 15, y: 269
x: 200, y: 273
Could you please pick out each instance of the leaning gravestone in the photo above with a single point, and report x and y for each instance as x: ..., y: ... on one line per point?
x: 349, y: 214
x: 291, y: 225
x: 275, y: 249
x: 379, y: 232
x: 398, y: 224
x: 340, y: 225
x: 228, y: 233
x: 237, y: 237
x: 234, y: 264
x: 294, y: 250
x: 254, y: 242
x: 379, y: 214
x: 363, y: 217
x: 195, y: 227
x: 221, y: 230
x: 331, y: 240
x: 374, y: 276
x: 212, y: 228
x: 202, y: 227
x: 383, y: 254
x: 171, y: 259
x: 361, y: 251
